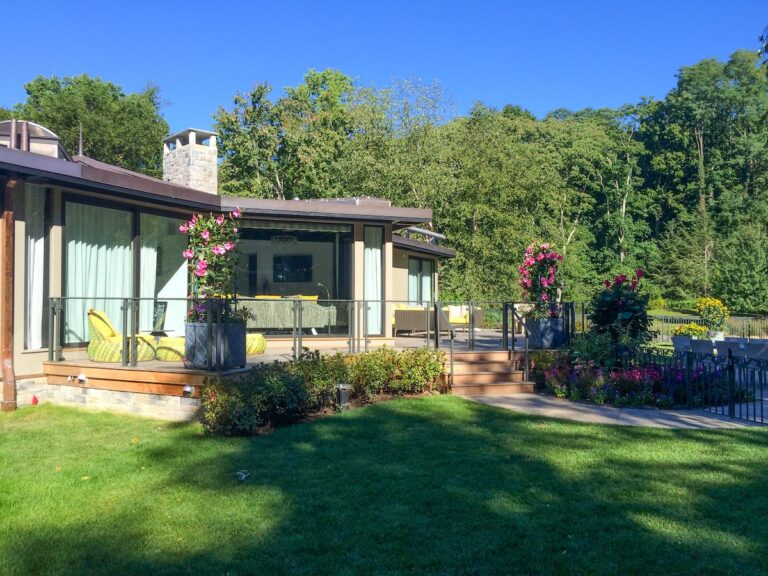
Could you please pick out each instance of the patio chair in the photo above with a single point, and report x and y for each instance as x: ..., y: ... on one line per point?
x: 106, y: 343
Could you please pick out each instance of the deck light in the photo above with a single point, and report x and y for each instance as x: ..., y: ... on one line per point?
x: 188, y: 389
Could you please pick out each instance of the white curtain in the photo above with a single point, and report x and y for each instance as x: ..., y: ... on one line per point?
x: 427, y: 291
x: 163, y: 272
x: 98, y: 265
x: 413, y: 281
x: 373, y: 239
x: 34, y: 223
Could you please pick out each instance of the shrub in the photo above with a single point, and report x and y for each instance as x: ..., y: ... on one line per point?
x: 283, y: 392
x: 657, y: 304
x: 593, y: 348
x: 692, y: 330
x: 712, y: 312
x: 540, y: 361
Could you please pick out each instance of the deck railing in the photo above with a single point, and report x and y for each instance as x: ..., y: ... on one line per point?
x: 353, y: 325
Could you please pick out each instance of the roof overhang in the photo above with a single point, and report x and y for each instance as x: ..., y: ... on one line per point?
x: 91, y: 175
x: 422, y: 247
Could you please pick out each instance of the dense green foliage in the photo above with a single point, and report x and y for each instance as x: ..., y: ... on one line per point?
x: 118, y: 128
x: 427, y: 486
x: 678, y: 187
x: 283, y: 392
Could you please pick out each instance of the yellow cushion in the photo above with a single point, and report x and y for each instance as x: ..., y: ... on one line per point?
x: 267, y: 297
x: 101, y: 324
x: 255, y: 344
x: 302, y: 297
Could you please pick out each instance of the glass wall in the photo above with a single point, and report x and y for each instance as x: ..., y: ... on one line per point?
x: 36, y: 286
x: 373, y: 240
x: 163, y: 274
x: 99, y: 264
x: 294, y: 259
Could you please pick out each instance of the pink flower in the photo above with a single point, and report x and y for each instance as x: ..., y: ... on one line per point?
x: 236, y: 213
x: 202, y: 268
x: 218, y: 250
x: 234, y: 229
x: 219, y: 219
x: 543, y: 281
x: 183, y: 228
x: 545, y: 246
x: 639, y: 273
x: 529, y: 261
x: 205, y: 235
x: 527, y: 282
x: 620, y: 279
x: 539, y: 257
x: 229, y: 245
x: 545, y: 297
x: 607, y: 283
x: 633, y: 284
x: 194, y: 218
x: 188, y: 254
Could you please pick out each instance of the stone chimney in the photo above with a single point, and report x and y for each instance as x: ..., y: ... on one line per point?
x: 189, y: 159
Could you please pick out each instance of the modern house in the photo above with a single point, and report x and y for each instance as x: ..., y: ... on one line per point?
x: 91, y: 235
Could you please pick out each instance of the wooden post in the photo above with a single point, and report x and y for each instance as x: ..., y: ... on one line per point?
x: 7, y: 231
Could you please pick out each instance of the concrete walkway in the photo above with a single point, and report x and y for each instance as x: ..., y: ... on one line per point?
x: 552, y: 407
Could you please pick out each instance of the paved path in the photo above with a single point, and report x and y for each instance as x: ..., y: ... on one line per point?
x: 541, y: 405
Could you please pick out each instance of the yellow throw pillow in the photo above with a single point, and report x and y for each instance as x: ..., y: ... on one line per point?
x: 267, y: 297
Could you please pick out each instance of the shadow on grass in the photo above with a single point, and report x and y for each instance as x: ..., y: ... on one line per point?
x: 434, y: 486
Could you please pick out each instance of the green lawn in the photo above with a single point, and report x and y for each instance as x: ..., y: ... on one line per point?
x: 436, y: 485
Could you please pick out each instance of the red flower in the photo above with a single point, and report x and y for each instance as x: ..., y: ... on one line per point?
x: 639, y: 273
x: 35, y: 401
x: 607, y: 283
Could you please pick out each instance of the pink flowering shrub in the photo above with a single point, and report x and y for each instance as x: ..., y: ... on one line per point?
x: 210, y: 256
x: 621, y: 311
x: 538, y: 279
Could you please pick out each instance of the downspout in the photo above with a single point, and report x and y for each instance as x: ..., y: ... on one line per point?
x: 8, y: 402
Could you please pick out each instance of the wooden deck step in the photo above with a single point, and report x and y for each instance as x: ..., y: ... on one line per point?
x: 488, y: 377
x: 476, y: 366
x: 486, y: 389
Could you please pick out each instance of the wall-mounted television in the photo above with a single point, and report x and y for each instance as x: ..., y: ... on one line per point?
x: 293, y: 268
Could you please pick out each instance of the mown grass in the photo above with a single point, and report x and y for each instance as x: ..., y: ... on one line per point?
x: 436, y: 485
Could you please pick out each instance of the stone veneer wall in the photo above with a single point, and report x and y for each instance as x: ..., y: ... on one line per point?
x: 147, y: 405
x: 192, y: 165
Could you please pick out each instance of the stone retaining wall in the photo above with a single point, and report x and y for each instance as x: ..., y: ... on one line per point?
x: 148, y: 405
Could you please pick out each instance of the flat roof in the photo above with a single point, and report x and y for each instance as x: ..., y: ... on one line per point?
x: 92, y: 175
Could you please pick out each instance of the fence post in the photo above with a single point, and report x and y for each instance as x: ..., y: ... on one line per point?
x: 51, y: 331
x: 689, y: 377
x: 437, y: 325
x: 731, y: 371
x: 125, y: 352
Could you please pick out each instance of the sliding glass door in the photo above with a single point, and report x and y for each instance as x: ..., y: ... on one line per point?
x: 421, y: 280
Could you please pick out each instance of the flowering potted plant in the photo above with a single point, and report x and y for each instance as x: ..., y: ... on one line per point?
x: 213, y: 321
x: 541, y: 288
x: 713, y: 314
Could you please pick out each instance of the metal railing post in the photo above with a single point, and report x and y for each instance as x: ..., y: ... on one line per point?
x: 731, y: 371
x: 471, y: 323
x: 453, y: 337
x: 366, y: 313
x: 351, y: 325
x: 689, y: 377
x: 295, y: 330
x: 134, y: 332
x: 125, y: 351
x: 51, y: 331
x: 505, y: 326
x: 299, y: 335
x: 209, y: 332
x: 436, y: 306
x: 514, y: 329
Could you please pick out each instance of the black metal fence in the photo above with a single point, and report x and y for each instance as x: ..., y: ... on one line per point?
x: 731, y: 385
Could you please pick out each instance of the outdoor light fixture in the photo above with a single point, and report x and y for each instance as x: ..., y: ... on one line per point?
x: 342, y: 396
x: 82, y: 378
x: 188, y: 389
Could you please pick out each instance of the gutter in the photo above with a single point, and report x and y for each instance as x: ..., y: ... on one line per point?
x: 8, y: 402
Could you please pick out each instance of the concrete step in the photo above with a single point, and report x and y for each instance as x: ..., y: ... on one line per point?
x: 490, y: 389
x: 488, y: 377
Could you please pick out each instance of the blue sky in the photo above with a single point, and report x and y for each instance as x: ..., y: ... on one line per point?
x: 539, y: 55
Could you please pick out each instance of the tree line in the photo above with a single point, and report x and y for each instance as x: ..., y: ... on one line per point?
x: 677, y: 187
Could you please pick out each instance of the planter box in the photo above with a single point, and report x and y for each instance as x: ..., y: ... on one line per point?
x: 545, y: 332
x: 227, y: 345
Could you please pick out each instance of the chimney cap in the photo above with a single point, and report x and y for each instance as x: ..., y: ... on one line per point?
x: 184, y: 135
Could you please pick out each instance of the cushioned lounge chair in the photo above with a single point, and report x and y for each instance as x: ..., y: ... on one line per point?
x: 106, y: 343
x: 172, y: 348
